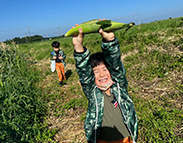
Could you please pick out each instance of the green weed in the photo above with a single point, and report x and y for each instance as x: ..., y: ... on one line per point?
x: 22, y: 108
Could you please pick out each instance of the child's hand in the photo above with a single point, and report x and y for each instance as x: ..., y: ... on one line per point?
x: 78, y: 41
x: 60, y: 58
x: 108, y: 36
x: 54, y: 57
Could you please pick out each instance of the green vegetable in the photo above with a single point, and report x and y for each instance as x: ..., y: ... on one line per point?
x: 93, y: 26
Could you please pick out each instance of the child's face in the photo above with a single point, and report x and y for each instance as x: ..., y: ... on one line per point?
x: 102, y: 75
x: 55, y: 49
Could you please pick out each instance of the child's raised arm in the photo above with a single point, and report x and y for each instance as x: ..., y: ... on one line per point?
x: 78, y: 41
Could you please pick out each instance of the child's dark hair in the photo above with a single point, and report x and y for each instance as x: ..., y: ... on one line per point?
x: 55, y: 44
x: 97, y: 59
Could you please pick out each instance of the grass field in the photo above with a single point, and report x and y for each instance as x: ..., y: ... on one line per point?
x: 152, y: 54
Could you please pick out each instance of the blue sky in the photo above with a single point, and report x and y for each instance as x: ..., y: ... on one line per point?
x: 19, y: 18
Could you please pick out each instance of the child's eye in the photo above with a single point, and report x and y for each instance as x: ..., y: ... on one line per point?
x: 105, y: 69
x: 96, y: 72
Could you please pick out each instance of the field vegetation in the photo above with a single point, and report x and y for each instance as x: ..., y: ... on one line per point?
x: 34, y: 108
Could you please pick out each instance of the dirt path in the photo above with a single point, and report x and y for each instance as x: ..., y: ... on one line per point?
x: 70, y: 127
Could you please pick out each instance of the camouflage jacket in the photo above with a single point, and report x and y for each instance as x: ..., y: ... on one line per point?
x: 62, y: 54
x: 94, y: 95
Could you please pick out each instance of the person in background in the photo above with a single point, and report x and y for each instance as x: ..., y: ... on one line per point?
x: 111, y: 116
x: 59, y: 56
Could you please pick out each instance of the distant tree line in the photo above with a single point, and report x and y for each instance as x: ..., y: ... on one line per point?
x: 29, y: 39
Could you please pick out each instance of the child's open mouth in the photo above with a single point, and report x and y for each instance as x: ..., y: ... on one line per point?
x: 103, y: 80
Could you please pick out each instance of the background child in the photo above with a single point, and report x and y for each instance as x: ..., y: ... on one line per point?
x: 111, y: 116
x: 59, y: 57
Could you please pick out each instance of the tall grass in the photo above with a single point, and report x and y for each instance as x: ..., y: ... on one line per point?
x: 22, y: 107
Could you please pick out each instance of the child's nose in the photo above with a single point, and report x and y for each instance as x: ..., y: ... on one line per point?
x: 101, y: 74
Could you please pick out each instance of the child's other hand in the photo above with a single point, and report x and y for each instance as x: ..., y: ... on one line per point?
x: 54, y: 57
x: 78, y: 41
x: 108, y: 36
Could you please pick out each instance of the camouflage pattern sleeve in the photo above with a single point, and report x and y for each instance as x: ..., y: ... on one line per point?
x: 112, y: 54
x: 64, y: 57
x: 85, y: 71
x: 62, y: 54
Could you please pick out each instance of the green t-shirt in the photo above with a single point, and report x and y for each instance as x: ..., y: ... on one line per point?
x: 113, y: 127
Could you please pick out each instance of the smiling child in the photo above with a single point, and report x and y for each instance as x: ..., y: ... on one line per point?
x: 111, y: 116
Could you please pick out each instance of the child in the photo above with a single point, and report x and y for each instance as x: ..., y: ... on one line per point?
x: 59, y: 57
x: 111, y: 116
